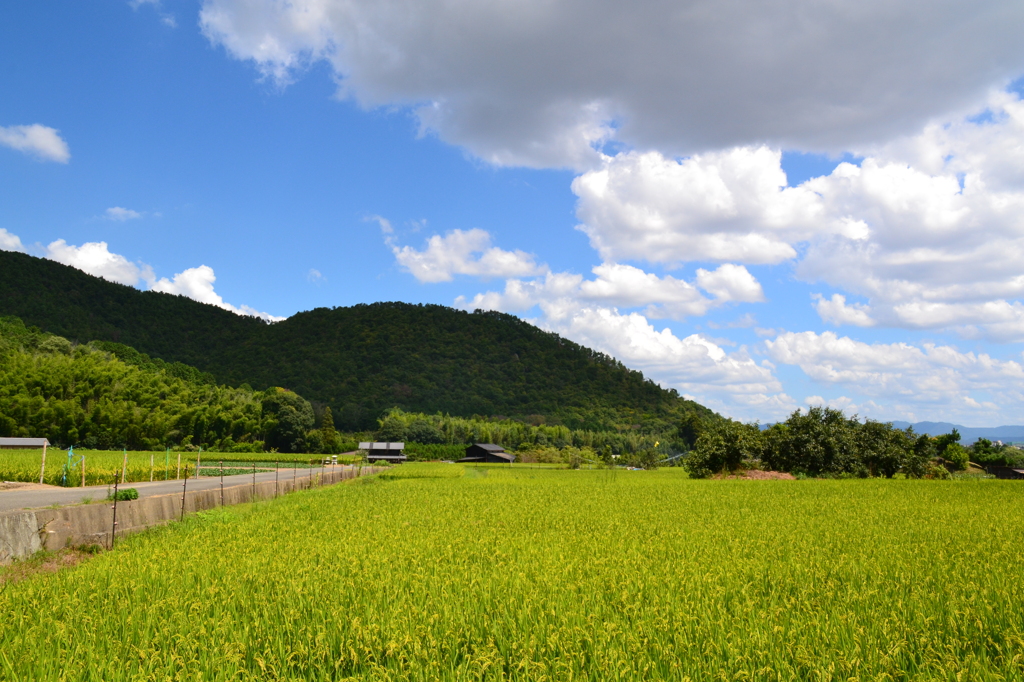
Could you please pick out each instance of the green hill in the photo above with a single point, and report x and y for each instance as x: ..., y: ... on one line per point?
x: 360, y: 360
x: 106, y: 395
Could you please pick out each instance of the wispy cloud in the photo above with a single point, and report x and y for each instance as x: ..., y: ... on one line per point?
x: 36, y: 140
x: 121, y: 214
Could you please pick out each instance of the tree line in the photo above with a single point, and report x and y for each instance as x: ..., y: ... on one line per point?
x: 825, y: 442
x: 397, y: 425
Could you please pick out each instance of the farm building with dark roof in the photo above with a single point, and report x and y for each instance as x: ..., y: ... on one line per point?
x: 488, y: 453
x: 384, y: 452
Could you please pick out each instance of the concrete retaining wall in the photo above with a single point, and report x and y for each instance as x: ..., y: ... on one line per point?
x: 22, y: 533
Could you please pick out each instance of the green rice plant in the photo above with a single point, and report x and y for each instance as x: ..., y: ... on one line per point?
x: 544, y: 574
x: 101, y: 466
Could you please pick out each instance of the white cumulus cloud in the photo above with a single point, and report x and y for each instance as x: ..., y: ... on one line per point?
x: 730, y: 282
x: 732, y: 205
x: 929, y: 228
x: 96, y: 259
x: 461, y: 253
x: 537, y: 82
x: 836, y: 311
x: 943, y: 213
x: 197, y: 284
x: 37, y: 140
x: 625, y: 286
x: 10, y: 242
x: 938, y: 380
x: 695, y: 365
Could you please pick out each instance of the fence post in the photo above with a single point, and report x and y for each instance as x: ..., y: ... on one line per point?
x: 42, y: 468
x: 253, y: 482
x: 198, y: 456
x: 177, y: 473
x: 151, y: 466
x: 277, y: 467
x: 83, y: 471
x: 113, y: 528
x: 124, y: 467
x: 184, y: 484
x: 222, y: 483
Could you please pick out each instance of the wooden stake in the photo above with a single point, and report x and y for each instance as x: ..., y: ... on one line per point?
x: 150, y: 466
x: 83, y: 471
x: 113, y: 528
x: 184, y: 484
x: 42, y: 469
x: 177, y: 474
x: 124, y: 467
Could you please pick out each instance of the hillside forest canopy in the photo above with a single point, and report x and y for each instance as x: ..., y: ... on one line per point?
x: 361, y: 360
x: 107, y: 395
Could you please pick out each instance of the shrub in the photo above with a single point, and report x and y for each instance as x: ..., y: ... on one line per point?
x: 957, y: 456
x: 125, y: 494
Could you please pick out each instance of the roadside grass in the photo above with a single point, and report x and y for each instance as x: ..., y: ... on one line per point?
x: 45, y: 563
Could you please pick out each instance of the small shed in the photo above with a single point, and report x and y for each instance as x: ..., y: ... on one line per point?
x: 488, y: 453
x: 384, y: 452
x: 23, y: 443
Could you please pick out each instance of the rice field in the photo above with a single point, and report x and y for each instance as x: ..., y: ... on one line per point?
x: 445, y: 572
x: 102, y: 465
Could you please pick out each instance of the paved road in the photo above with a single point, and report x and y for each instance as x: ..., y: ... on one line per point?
x: 49, y: 496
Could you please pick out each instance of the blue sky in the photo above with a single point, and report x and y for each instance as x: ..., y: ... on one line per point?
x: 820, y: 218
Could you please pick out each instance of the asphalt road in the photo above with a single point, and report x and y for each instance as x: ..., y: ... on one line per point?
x: 52, y: 495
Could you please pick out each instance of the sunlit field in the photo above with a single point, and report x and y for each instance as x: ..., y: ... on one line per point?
x: 102, y: 465
x: 446, y: 572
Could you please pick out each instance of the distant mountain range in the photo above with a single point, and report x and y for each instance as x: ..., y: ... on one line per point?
x: 968, y: 434
x: 1007, y: 434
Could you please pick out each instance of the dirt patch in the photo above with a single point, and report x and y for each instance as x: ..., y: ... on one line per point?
x: 16, y: 485
x: 43, y: 563
x: 758, y: 475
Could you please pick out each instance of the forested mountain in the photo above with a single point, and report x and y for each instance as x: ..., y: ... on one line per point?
x: 360, y: 360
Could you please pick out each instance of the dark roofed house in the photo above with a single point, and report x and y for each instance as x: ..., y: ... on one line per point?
x: 488, y: 453
x: 384, y: 452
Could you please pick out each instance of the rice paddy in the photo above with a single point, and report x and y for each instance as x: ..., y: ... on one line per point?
x: 102, y: 465
x: 445, y: 572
